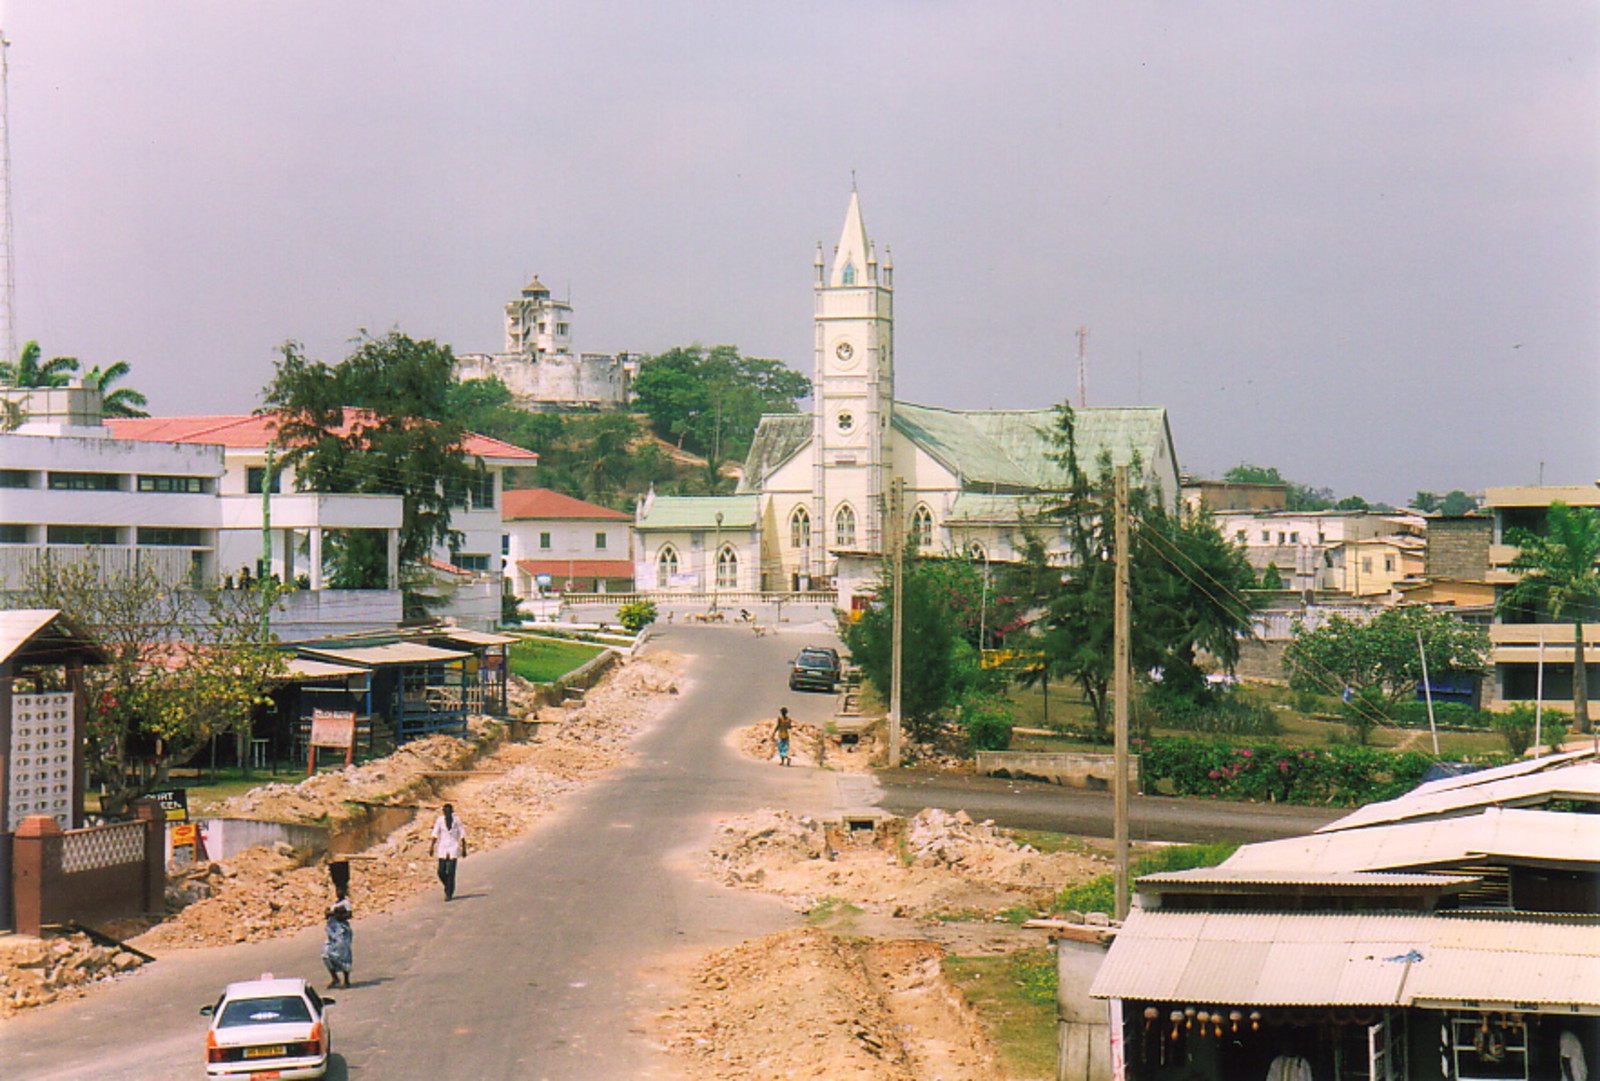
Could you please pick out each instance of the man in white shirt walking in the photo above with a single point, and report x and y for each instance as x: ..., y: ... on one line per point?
x: 449, y: 845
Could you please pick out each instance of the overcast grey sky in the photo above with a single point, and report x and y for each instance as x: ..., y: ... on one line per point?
x: 1359, y: 241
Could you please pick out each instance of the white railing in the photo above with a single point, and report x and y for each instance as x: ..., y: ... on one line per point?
x: 722, y: 598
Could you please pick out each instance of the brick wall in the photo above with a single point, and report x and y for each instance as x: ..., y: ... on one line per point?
x: 1458, y: 548
x: 88, y: 876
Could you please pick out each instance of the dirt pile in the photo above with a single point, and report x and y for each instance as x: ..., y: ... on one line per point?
x: 262, y: 893
x: 935, y: 864
x: 802, y: 1003
x: 34, y: 972
x: 809, y: 745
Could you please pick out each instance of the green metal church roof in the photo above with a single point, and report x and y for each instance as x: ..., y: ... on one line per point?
x: 700, y: 512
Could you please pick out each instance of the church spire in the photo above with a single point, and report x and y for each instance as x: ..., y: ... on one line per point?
x: 850, y: 258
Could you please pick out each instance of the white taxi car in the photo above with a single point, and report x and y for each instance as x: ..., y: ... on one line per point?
x: 268, y: 1030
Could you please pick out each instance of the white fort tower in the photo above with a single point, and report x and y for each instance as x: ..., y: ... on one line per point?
x: 852, y: 394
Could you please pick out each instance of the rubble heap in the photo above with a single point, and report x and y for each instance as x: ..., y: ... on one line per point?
x: 805, y: 1003
x: 34, y: 972
x: 933, y: 864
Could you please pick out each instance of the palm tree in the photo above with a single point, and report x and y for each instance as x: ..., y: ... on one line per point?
x: 31, y: 371
x: 1558, y: 569
x: 122, y: 402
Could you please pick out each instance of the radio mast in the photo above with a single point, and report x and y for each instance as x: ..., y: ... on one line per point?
x: 1083, y: 369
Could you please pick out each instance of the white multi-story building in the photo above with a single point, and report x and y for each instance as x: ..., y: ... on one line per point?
x: 555, y: 543
x: 1355, y: 552
x: 538, y: 365
x: 183, y: 496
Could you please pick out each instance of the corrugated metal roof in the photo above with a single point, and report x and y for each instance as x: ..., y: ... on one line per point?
x: 1357, y: 959
x: 778, y: 437
x: 43, y: 631
x: 700, y: 512
x: 1509, y: 833
x: 1274, y: 876
x: 1012, y: 448
x: 397, y: 653
x: 303, y: 668
x: 1259, y: 958
x: 260, y: 430
x: 479, y: 638
x: 1006, y: 509
x: 1580, y: 780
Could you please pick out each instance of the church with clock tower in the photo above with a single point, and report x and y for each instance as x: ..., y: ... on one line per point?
x: 812, y: 511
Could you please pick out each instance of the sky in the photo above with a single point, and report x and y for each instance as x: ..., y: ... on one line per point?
x: 1359, y: 241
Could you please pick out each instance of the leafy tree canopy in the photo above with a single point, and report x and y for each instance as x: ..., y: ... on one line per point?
x: 1189, y: 586
x: 31, y: 370
x: 1378, y: 661
x: 1298, y: 496
x: 186, y: 667
x: 1452, y: 504
x: 123, y: 401
x: 709, y: 400
x: 405, y: 442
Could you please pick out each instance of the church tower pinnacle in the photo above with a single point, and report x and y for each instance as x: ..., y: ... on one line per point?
x: 852, y: 393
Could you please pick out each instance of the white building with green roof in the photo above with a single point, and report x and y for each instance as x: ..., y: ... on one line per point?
x: 816, y: 485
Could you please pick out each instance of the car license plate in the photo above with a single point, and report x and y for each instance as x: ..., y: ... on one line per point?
x: 266, y: 1052
x: 266, y: 1075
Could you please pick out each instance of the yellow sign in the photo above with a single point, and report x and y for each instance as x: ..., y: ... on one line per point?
x: 185, y: 833
x: 1012, y: 658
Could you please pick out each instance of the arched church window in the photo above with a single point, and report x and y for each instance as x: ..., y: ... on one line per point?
x: 666, y: 566
x: 976, y: 553
x: 922, y: 527
x: 844, y: 527
x: 800, y: 528
x: 849, y: 275
x: 727, y: 568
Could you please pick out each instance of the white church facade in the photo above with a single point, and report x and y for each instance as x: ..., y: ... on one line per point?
x: 818, y: 486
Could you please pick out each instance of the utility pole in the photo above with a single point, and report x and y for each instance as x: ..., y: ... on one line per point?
x: 1083, y: 369
x: 266, y: 543
x: 897, y: 617
x: 1122, y: 684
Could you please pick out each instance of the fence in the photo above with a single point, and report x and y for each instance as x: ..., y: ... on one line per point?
x: 726, y: 598
x: 88, y: 876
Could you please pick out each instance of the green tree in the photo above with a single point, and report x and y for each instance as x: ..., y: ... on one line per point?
x: 1376, y: 664
x: 936, y: 666
x: 1272, y: 578
x: 186, y: 667
x: 709, y: 400
x: 1297, y: 496
x: 31, y: 370
x: 403, y: 441
x: 123, y: 401
x: 1189, y: 586
x: 1558, y: 575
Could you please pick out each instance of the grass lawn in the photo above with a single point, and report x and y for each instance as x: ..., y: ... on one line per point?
x: 1015, y: 995
x: 541, y: 660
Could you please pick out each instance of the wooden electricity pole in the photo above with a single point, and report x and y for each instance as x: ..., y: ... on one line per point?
x: 897, y: 617
x: 1121, y: 693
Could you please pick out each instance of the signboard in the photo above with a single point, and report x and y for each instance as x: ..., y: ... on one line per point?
x: 174, y: 801
x: 331, y: 728
x: 185, y: 833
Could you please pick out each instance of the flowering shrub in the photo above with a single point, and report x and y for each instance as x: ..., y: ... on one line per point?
x: 1342, y: 776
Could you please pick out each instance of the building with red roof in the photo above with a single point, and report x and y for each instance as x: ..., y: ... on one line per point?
x: 555, y: 543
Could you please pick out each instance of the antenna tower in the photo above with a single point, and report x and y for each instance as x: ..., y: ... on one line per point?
x: 1083, y: 369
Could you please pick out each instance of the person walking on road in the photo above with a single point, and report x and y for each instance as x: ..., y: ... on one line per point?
x: 337, y: 953
x: 780, y: 733
x: 449, y: 845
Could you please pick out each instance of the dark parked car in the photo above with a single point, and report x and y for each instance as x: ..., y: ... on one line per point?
x: 816, y: 668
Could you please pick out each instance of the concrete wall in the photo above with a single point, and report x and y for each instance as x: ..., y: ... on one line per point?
x: 1058, y: 767
x: 87, y: 876
x: 1459, y: 548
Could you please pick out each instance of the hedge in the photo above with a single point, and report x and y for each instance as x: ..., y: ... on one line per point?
x: 1345, y: 776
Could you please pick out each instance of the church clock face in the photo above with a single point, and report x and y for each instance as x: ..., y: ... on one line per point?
x: 845, y: 352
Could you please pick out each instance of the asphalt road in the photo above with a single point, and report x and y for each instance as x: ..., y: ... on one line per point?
x: 1037, y: 805
x: 558, y: 945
